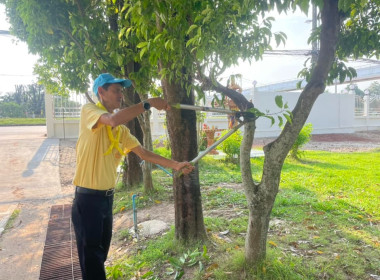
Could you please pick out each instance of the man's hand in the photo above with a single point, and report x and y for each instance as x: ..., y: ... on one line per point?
x: 185, y: 167
x: 159, y: 103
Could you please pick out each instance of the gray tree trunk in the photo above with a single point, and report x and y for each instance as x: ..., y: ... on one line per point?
x: 138, y: 174
x: 261, y: 196
x: 148, y: 144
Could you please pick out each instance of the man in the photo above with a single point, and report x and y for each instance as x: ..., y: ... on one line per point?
x: 102, y: 142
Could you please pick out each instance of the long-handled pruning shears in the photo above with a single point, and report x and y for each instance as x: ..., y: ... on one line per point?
x: 238, y: 114
x: 212, y: 109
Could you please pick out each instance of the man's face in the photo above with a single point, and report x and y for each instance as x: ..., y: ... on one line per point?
x: 113, y: 96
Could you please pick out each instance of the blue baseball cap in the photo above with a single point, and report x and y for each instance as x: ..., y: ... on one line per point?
x: 107, y: 78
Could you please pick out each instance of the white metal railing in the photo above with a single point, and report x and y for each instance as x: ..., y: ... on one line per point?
x: 72, y: 112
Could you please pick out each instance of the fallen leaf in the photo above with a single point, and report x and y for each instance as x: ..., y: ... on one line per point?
x: 212, y: 266
x: 207, y: 275
x: 272, y: 243
x: 313, y: 227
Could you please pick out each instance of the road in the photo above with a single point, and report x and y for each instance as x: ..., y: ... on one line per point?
x: 29, y: 181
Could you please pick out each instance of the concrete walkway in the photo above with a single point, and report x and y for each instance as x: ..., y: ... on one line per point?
x: 30, y: 183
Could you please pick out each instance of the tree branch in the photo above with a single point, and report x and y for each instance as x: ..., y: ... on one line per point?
x: 211, y: 84
x: 331, y: 20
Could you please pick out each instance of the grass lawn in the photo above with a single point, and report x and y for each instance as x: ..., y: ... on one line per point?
x: 22, y: 121
x: 325, y: 224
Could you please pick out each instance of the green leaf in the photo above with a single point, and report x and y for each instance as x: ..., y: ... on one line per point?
x: 201, y: 266
x: 143, y: 50
x: 199, y: 31
x: 167, y: 44
x: 204, y: 254
x: 157, y: 37
x: 122, y: 31
x: 191, y: 28
x: 179, y: 275
x: 272, y: 120
x: 200, y: 55
x: 141, y: 45
x: 289, y: 117
x: 281, y: 121
x: 146, y: 275
x: 190, y: 42
x: 175, y: 262
x: 119, y: 60
x: 279, y: 102
x: 100, y: 65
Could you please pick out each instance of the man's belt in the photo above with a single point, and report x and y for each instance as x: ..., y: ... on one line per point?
x: 82, y: 190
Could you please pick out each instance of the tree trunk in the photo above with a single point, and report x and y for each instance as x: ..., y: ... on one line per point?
x: 261, y: 197
x: 132, y: 175
x: 189, y: 224
x: 145, y: 173
x: 147, y: 167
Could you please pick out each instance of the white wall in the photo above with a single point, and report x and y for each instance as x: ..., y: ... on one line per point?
x: 59, y: 128
x: 331, y: 113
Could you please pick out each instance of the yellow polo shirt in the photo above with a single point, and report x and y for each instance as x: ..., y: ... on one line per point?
x: 94, y: 170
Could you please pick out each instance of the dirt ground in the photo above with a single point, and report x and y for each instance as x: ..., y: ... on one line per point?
x: 361, y: 141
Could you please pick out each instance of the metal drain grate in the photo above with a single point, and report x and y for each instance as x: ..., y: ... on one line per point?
x: 60, y: 258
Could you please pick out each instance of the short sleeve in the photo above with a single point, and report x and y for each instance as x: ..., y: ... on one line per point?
x: 90, y: 115
x: 127, y: 139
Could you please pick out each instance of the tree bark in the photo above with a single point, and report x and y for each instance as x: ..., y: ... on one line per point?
x: 133, y: 175
x: 261, y: 196
x: 142, y: 124
x: 148, y: 144
x: 189, y: 224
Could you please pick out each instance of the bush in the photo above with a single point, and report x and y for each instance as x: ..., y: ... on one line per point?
x: 202, y: 141
x: 302, y: 139
x: 163, y: 151
x: 231, y: 146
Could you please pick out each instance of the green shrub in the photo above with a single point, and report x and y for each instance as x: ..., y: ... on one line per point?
x: 202, y: 141
x: 302, y: 139
x: 231, y: 146
x: 163, y: 151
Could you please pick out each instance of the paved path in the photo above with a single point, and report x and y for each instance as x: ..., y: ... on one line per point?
x: 29, y: 181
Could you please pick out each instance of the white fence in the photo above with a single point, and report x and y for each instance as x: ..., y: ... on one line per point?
x: 332, y: 113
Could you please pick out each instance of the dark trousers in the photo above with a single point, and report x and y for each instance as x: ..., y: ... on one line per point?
x: 92, y: 219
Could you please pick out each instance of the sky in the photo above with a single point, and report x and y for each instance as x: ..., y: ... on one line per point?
x: 16, y: 63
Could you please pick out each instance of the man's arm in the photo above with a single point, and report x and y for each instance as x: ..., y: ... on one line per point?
x: 144, y: 154
x: 125, y: 115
